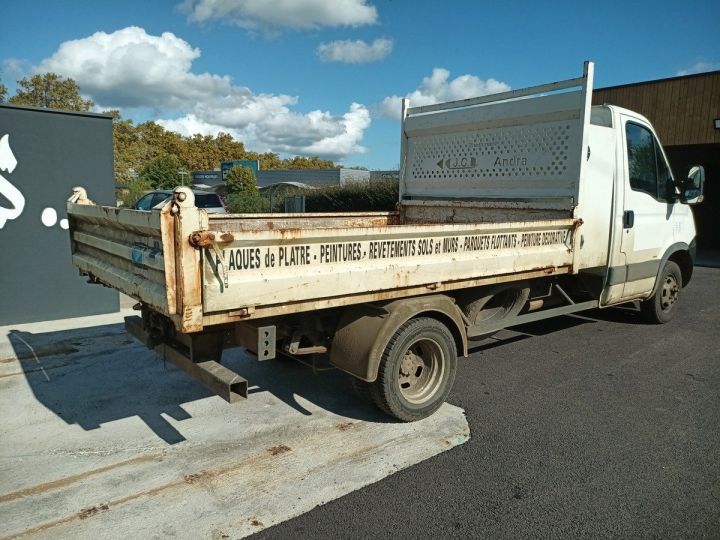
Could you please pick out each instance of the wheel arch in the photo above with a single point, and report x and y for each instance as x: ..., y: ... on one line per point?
x: 681, y: 254
x: 365, y: 330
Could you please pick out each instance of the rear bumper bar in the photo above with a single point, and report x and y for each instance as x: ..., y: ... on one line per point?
x: 222, y: 381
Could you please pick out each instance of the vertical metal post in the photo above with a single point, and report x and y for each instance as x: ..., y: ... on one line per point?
x: 403, y: 147
x: 586, y: 98
x: 188, y: 219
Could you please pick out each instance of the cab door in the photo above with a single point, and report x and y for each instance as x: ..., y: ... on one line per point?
x: 649, y: 208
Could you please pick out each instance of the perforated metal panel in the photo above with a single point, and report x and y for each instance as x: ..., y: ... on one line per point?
x: 522, y: 148
x: 535, y: 158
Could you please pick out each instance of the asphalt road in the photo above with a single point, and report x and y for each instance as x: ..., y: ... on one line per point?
x: 584, y: 426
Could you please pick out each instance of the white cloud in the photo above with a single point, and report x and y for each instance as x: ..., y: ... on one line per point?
x: 437, y: 88
x: 316, y: 133
x: 14, y: 69
x: 130, y: 68
x: 355, y: 52
x: 699, y: 67
x: 274, y: 14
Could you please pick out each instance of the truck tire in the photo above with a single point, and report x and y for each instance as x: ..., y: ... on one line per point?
x: 416, y: 371
x: 662, y: 305
x: 362, y: 389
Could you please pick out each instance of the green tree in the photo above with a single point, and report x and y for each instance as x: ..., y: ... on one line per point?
x: 128, y: 150
x: 162, y: 172
x: 240, y: 180
x: 51, y: 91
x: 205, y: 152
x: 228, y: 149
x: 268, y: 161
x: 242, y: 193
x: 3, y: 92
x: 313, y: 162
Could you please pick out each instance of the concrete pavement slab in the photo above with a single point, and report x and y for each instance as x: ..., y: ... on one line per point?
x: 101, y: 438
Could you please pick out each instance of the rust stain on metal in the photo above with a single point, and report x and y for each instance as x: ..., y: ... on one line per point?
x: 277, y: 450
x: 291, y: 233
x: 202, y: 238
x: 167, y: 229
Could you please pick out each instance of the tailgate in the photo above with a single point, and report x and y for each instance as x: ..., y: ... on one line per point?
x: 129, y: 250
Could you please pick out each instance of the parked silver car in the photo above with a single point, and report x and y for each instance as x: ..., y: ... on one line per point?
x: 212, y: 203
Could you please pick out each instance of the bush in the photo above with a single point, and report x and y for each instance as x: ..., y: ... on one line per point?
x: 353, y: 197
x: 246, y: 202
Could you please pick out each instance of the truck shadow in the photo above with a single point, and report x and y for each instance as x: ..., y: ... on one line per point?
x: 624, y: 314
x: 89, y: 377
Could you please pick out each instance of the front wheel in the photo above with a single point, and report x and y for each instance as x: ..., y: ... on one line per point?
x: 662, y: 305
x: 416, y: 371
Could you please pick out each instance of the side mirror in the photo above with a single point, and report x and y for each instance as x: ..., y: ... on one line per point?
x: 692, y: 189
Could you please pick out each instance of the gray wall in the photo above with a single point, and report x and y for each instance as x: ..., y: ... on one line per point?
x: 312, y: 177
x: 54, y: 151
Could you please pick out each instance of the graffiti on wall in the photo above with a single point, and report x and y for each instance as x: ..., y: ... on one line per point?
x: 12, y: 195
x: 8, y: 162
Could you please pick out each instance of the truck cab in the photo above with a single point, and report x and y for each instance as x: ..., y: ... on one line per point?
x: 652, y: 219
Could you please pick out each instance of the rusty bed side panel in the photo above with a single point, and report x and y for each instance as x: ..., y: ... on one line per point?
x: 294, y: 266
x: 273, y: 310
x: 127, y: 250
x: 264, y: 222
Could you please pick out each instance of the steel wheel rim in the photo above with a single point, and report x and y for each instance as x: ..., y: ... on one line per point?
x: 421, y: 370
x: 670, y: 291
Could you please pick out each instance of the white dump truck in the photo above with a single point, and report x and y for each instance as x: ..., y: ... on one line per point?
x: 513, y: 207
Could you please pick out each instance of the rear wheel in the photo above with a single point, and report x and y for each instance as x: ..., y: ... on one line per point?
x: 662, y: 305
x: 416, y: 371
x: 362, y: 389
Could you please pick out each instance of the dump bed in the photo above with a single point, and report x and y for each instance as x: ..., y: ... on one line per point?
x: 203, y: 270
x: 489, y: 192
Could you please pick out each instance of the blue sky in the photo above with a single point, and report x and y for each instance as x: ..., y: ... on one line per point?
x: 324, y: 77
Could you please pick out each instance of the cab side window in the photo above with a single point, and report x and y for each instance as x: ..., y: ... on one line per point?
x: 648, y: 171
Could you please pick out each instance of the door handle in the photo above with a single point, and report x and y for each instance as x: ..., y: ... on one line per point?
x: 628, y: 219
